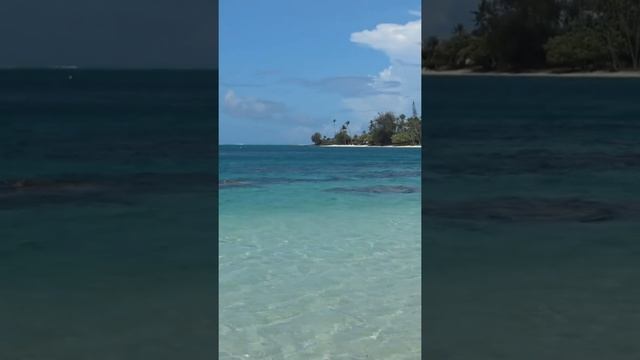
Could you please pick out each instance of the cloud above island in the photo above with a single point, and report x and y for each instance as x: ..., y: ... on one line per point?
x: 398, y: 41
x: 401, y: 43
x: 394, y: 88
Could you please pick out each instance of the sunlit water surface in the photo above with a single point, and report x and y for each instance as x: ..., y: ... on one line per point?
x: 319, y: 253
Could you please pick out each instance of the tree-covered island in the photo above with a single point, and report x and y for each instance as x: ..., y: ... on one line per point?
x: 386, y: 129
x: 552, y: 35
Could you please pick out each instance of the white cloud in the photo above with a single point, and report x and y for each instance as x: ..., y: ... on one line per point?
x: 398, y: 41
x: 402, y: 45
x: 415, y: 13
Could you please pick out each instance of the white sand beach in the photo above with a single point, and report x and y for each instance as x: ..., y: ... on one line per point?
x: 370, y: 146
x: 585, y: 74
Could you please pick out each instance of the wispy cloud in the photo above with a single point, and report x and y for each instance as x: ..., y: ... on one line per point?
x: 415, y: 13
x: 350, y: 86
x: 241, y: 84
x: 252, y: 108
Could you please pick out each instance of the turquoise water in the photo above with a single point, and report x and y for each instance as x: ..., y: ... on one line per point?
x: 319, y: 254
x: 532, y: 218
x: 107, y: 215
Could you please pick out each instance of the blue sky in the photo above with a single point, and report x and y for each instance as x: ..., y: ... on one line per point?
x: 288, y: 68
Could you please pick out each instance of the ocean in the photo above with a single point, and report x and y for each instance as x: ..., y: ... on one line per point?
x: 108, y: 208
x: 108, y: 227
x: 531, y: 218
x: 319, y: 253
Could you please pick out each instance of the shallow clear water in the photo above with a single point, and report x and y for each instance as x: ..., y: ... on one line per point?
x: 319, y: 253
x: 532, y: 216
x: 107, y: 215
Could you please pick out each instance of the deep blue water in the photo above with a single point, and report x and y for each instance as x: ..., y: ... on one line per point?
x: 531, y: 216
x: 108, y: 210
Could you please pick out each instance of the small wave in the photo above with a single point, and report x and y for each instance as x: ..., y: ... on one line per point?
x: 234, y: 184
x: 381, y: 189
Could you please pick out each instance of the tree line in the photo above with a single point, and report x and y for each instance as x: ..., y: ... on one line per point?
x: 517, y: 35
x: 385, y: 129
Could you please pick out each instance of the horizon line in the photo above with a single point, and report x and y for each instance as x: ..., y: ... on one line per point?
x: 94, y: 68
x: 265, y: 144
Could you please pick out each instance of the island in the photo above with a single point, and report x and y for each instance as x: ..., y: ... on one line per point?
x: 386, y: 129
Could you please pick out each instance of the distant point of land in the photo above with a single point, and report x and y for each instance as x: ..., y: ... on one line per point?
x: 386, y: 129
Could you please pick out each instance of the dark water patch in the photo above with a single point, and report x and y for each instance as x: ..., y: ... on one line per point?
x: 517, y: 209
x: 257, y: 182
x: 530, y: 162
x: 31, y: 200
x: 9, y: 187
x: 379, y: 189
x: 388, y: 174
x: 85, y: 189
x: 23, y: 193
x: 284, y: 180
x: 262, y: 181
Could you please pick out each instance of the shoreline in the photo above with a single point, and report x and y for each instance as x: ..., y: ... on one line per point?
x: 543, y: 73
x: 372, y: 146
x: 339, y: 146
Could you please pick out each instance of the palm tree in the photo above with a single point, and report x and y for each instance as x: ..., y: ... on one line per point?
x: 401, y: 124
x: 428, y: 50
x: 431, y: 44
x: 459, y: 30
x: 334, y: 127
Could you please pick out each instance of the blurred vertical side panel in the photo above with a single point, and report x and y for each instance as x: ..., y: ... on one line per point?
x: 530, y: 188
x: 108, y: 185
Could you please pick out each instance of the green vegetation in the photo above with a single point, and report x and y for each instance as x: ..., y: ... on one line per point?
x: 385, y: 129
x: 521, y: 35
